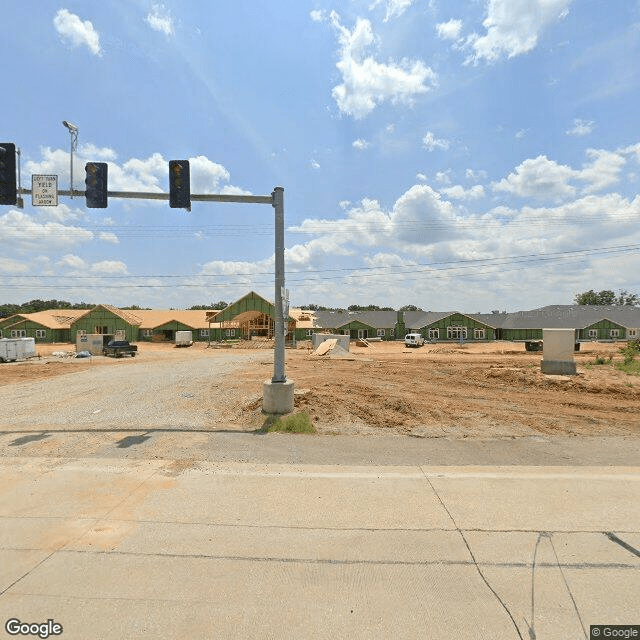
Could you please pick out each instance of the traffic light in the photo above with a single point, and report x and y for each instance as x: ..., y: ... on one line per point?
x: 179, y: 185
x: 96, y: 181
x: 8, y: 185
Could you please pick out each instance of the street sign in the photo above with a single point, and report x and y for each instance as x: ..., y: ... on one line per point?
x: 44, y: 191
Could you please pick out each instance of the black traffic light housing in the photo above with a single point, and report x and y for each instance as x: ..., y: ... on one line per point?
x: 179, y: 185
x: 96, y: 185
x: 8, y: 183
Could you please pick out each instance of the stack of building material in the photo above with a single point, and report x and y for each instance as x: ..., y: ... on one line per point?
x: 325, y: 347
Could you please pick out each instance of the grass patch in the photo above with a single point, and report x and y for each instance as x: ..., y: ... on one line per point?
x: 632, y: 368
x: 293, y: 423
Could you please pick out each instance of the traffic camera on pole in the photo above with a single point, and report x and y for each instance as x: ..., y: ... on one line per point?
x: 8, y: 184
x: 96, y: 185
x: 179, y: 185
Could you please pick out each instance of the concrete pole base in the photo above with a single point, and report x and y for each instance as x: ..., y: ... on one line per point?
x: 278, y: 397
x: 558, y: 367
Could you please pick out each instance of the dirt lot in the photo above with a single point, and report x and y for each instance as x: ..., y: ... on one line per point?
x: 476, y: 390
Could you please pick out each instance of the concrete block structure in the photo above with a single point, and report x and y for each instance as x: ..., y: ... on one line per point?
x: 558, y: 349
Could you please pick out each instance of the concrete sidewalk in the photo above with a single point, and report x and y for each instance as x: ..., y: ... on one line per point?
x: 122, y: 548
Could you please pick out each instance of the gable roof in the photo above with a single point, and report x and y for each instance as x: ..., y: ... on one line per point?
x: 125, y: 314
x: 50, y: 319
x: 152, y: 318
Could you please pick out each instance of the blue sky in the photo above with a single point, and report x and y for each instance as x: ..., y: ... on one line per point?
x: 470, y: 155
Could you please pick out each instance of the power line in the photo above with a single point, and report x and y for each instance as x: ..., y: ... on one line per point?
x: 435, y: 272
x: 321, y: 227
x: 468, y: 263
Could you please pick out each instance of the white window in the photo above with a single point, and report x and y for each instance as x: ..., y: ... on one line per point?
x: 593, y: 333
x: 309, y: 332
x: 381, y: 332
x: 434, y: 334
x: 614, y: 333
x: 231, y: 333
x: 204, y: 333
x: 478, y: 334
x: 147, y: 333
x: 41, y: 333
x: 103, y: 330
x: 456, y: 333
x: 632, y: 333
x: 18, y: 333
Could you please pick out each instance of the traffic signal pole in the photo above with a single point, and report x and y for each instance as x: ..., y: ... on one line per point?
x: 278, y: 392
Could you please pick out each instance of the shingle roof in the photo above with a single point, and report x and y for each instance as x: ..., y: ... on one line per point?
x: 424, y: 318
x: 572, y: 317
x: 340, y: 318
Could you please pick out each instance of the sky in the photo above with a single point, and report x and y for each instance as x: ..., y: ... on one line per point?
x: 461, y: 155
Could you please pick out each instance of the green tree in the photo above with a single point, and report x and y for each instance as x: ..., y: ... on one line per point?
x: 607, y: 297
x: 214, y: 306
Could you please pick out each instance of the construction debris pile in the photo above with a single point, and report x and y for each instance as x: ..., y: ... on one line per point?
x: 331, y: 349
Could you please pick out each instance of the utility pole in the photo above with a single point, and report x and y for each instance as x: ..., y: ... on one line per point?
x: 278, y: 360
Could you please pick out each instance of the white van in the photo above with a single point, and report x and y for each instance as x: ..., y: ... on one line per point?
x: 413, y: 340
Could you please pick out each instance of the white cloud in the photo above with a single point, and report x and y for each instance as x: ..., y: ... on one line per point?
x: 367, y: 83
x: 395, y: 8
x: 72, y: 262
x: 449, y: 30
x: 603, y: 170
x: 110, y: 267
x: 444, y: 177
x: 76, y: 32
x: 521, y: 134
x: 458, y: 192
x: 107, y: 236
x: 514, y: 26
x: 23, y: 232
x: 421, y: 216
x: 581, y: 127
x: 317, y: 15
x: 314, y: 164
x: 475, y: 175
x: 430, y: 142
x: 206, y: 175
x: 539, y: 178
x: 9, y: 266
x: 545, y: 179
x: 159, y: 19
x: 360, y: 144
x: 136, y: 174
x: 422, y: 177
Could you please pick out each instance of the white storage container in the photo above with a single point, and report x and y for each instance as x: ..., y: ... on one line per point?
x: 184, y: 338
x: 12, y: 349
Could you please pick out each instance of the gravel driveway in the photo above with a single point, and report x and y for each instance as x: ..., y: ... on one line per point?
x: 191, y: 391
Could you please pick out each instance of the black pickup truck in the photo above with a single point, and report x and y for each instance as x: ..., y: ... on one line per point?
x: 119, y: 348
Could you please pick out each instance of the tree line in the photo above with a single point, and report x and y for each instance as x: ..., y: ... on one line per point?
x: 605, y: 297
